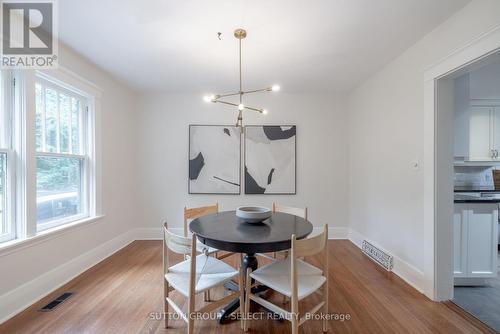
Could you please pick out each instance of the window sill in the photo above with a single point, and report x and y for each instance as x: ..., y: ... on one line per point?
x: 19, y: 244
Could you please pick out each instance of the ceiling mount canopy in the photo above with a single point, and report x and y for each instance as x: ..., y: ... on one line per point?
x: 240, y: 34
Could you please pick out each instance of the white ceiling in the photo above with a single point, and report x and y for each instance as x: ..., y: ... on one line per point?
x: 305, y: 46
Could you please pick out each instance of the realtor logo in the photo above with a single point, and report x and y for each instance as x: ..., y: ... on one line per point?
x: 29, y: 38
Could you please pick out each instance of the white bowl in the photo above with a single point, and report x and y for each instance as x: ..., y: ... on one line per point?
x: 253, y: 214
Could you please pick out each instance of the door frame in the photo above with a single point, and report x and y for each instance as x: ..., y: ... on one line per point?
x: 438, y: 254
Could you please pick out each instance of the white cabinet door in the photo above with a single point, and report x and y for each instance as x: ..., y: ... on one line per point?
x: 480, y: 138
x: 482, y: 233
x: 460, y: 216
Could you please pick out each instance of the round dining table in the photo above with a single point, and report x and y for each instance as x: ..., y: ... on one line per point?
x: 226, y: 232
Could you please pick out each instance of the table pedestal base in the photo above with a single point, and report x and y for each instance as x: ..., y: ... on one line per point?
x: 249, y: 261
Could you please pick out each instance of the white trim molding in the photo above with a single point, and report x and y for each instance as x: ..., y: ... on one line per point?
x: 15, y: 245
x: 27, y: 294
x: 403, y: 269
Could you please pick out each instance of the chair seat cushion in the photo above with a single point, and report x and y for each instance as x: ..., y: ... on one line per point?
x: 210, y: 272
x: 277, y: 276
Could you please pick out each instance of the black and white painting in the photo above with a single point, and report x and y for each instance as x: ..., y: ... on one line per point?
x: 214, y: 159
x: 270, y: 159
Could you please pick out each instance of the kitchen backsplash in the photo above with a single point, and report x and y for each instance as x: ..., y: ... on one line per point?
x: 474, y: 176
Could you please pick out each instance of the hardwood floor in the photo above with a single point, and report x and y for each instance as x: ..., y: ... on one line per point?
x: 123, y: 294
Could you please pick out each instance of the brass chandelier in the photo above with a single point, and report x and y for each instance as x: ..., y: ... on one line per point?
x: 240, y: 34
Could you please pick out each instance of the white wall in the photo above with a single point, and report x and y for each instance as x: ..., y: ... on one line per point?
x: 386, y: 136
x: 23, y: 269
x: 321, y: 154
x: 354, y: 164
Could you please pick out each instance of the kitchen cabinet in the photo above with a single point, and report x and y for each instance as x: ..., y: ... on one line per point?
x: 475, y: 233
x: 477, y: 115
x: 460, y: 240
x: 484, y: 133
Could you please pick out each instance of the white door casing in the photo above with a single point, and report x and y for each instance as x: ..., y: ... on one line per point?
x: 438, y: 265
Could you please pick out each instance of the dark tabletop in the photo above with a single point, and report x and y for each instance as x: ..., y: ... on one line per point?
x: 225, y: 231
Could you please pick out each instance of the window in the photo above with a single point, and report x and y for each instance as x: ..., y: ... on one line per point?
x: 7, y: 221
x: 62, y: 155
x: 57, y: 148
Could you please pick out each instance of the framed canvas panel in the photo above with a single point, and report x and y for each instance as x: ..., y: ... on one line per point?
x: 214, y: 159
x: 270, y: 159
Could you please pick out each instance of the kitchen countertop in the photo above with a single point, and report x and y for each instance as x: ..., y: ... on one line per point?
x: 479, y: 201
x: 486, y: 195
x: 475, y: 190
x: 476, y: 195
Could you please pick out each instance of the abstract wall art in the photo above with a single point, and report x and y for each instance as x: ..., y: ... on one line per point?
x: 270, y: 159
x: 214, y: 159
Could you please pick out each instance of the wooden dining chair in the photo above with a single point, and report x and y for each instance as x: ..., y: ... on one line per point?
x: 295, y: 279
x: 193, y: 276
x: 300, y: 212
x: 193, y: 213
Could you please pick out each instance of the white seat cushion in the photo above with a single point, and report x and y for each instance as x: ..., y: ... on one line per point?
x: 210, y: 272
x: 201, y: 247
x: 277, y: 276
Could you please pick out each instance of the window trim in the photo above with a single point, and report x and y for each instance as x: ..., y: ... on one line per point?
x: 7, y: 104
x: 86, y: 138
x: 15, y: 245
x: 10, y: 182
x: 20, y: 90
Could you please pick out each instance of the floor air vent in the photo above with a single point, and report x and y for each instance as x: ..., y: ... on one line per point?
x: 378, y: 255
x: 56, y: 302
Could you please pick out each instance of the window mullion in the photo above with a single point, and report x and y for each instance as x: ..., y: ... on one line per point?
x: 11, y: 192
x: 43, y: 112
x: 58, y: 124
x: 82, y: 126
x: 70, y: 125
x: 86, y: 150
x: 25, y: 111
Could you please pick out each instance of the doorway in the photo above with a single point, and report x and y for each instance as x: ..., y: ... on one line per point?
x: 467, y: 193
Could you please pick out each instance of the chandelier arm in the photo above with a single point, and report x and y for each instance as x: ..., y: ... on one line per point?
x: 254, y: 109
x: 228, y: 103
x: 218, y: 96
x: 236, y: 105
x: 257, y: 90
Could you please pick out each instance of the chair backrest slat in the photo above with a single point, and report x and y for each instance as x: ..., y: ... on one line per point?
x: 194, y: 213
x: 300, y: 212
x: 177, y: 243
x: 310, y: 246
